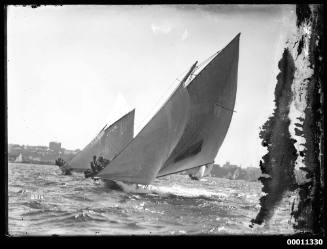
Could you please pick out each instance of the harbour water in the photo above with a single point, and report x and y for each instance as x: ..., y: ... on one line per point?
x: 41, y: 201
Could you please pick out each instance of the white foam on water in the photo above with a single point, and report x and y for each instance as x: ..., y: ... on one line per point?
x: 133, y: 188
x: 185, y: 191
x: 166, y: 190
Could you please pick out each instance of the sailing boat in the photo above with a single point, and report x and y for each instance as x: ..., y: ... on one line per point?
x: 108, y: 142
x: 200, y: 172
x: 19, y: 158
x: 188, y: 130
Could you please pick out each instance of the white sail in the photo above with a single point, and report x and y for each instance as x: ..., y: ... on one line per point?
x: 19, y: 159
x: 188, y: 130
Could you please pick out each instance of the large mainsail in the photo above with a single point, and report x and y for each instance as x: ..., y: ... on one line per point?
x: 108, y: 143
x: 188, y: 130
x: 212, y: 98
x: 141, y: 160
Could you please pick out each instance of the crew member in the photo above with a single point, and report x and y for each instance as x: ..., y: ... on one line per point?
x: 100, y: 164
x: 94, y: 164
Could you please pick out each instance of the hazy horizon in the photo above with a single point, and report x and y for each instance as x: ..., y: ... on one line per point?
x: 73, y: 69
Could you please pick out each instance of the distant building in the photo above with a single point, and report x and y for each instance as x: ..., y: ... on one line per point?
x: 41, y: 148
x: 39, y: 154
x: 229, y: 166
x: 69, y: 152
x: 34, y: 158
x: 15, y: 149
x: 55, y: 146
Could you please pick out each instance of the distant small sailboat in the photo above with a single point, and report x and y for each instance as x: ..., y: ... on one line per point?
x: 188, y: 130
x: 198, y: 173
x: 19, y: 158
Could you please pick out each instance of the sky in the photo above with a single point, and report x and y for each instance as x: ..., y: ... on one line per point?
x: 73, y: 69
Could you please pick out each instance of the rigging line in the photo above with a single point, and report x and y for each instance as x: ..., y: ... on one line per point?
x: 216, y: 54
x: 174, y: 91
x: 183, y: 73
x: 185, y: 169
x: 201, y: 67
x: 209, y: 58
x: 142, y: 123
x: 201, y: 64
x: 228, y: 109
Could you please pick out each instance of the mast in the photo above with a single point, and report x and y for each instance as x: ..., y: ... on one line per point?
x: 188, y: 74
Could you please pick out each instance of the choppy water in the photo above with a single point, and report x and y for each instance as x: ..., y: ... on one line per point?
x: 44, y: 202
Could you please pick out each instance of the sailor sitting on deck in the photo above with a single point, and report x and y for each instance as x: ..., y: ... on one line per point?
x: 94, y: 164
x: 60, y: 162
x: 94, y: 169
x: 102, y: 163
x: 99, y: 163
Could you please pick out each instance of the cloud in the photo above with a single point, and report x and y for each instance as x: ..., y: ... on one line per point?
x: 185, y: 35
x: 160, y: 29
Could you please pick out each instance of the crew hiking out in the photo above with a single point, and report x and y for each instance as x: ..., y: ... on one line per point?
x: 96, y: 166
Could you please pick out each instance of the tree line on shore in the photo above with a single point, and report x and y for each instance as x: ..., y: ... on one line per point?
x: 235, y: 172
